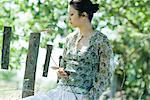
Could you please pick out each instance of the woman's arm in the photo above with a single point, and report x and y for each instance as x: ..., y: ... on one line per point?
x: 63, y: 59
x: 103, y: 76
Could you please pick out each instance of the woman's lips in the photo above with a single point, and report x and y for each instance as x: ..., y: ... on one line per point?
x: 70, y: 22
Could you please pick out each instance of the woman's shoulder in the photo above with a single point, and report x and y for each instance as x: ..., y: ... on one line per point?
x: 99, y: 37
x: 71, y: 35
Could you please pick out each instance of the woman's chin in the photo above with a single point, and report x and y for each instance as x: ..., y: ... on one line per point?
x: 72, y: 25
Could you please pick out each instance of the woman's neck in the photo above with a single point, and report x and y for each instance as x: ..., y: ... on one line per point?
x: 86, y: 30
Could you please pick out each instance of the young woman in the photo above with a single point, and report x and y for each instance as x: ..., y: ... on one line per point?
x: 85, y: 70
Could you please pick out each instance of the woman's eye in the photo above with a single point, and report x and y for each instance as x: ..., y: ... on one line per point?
x: 71, y: 14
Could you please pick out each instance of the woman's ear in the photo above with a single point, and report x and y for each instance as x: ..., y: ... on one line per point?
x: 84, y: 14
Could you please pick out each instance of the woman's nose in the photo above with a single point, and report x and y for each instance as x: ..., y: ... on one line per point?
x: 69, y: 19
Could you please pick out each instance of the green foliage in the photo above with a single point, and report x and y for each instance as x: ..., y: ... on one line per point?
x: 7, y: 75
x: 129, y: 19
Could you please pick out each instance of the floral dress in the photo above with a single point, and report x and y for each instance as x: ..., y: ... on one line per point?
x: 90, y: 69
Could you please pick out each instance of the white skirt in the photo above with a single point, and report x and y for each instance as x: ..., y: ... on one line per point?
x: 57, y: 94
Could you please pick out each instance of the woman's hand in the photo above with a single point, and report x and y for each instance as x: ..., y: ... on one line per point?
x: 60, y: 72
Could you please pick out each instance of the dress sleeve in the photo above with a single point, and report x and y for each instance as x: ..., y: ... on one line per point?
x: 103, y: 76
x: 69, y: 40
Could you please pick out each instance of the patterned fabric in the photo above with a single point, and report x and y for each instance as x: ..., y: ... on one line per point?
x: 91, y: 67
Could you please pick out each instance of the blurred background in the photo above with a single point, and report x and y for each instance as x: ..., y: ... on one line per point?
x: 125, y: 22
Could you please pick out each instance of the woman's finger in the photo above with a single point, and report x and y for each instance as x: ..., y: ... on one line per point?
x: 62, y: 73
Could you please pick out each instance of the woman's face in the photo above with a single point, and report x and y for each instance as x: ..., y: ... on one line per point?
x: 74, y: 18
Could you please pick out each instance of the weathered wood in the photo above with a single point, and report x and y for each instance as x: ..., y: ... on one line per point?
x: 117, y: 80
x: 60, y: 57
x: 31, y: 62
x: 6, y: 47
x: 47, y: 60
x: 114, y: 85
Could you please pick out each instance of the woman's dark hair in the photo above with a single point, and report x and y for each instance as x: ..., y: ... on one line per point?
x: 85, y: 6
